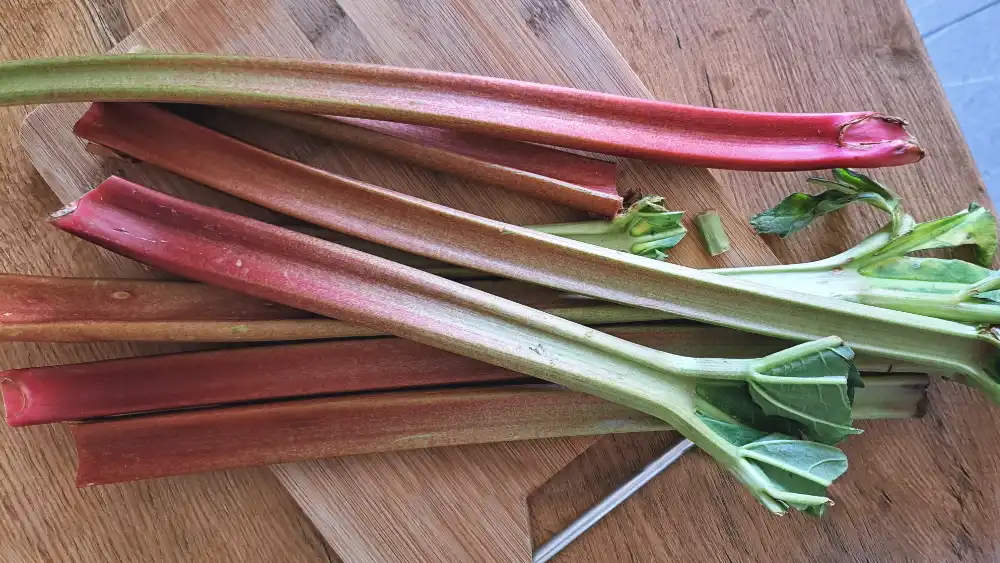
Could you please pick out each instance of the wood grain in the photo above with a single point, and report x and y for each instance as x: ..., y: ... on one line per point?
x: 917, y: 491
x: 445, y: 504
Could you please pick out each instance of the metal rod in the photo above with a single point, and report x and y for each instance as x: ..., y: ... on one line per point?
x: 556, y: 543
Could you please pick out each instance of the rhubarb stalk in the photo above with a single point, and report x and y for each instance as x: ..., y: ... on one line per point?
x: 64, y: 393
x: 51, y: 309
x: 48, y: 309
x: 713, y: 234
x: 438, y: 232
x: 161, y: 445
x: 542, y: 172
x: 804, y: 390
x: 647, y: 228
x: 538, y: 113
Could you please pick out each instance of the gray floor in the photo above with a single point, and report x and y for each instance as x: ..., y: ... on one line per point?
x: 963, y: 39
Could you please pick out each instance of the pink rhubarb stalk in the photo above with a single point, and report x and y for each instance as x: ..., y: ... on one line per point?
x: 542, y: 172
x: 538, y: 113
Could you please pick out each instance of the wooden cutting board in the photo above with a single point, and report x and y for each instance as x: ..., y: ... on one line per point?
x: 473, y: 503
x: 424, y: 504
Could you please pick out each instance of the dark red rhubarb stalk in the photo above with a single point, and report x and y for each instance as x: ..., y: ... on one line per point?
x: 538, y: 113
x: 173, y: 381
x: 65, y: 393
x: 162, y: 445
x: 542, y: 172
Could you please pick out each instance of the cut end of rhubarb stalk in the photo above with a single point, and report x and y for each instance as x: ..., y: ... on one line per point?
x: 877, y: 130
x: 69, y: 208
x: 14, y: 400
x: 986, y: 379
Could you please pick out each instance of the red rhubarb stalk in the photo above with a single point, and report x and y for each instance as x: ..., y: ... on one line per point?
x: 542, y: 172
x: 162, y: 445
x: 65, y: 393
x: 538, y: 113
x: 811, y: 385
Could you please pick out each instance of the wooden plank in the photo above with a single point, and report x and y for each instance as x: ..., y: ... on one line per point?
x: 443, y: 504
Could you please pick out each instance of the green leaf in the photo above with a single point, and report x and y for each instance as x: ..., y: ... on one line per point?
x: 799, y: 210
x: 664, y: 239
x: 796, y: 467
x: 993, y: 296
x: 973, y: 226
x: 736, y: 434
x: 782, y: 471
x: 861, y: 183
x: 807, y: 390
x: 926, y: 269
x: 728, y: 400
x: 816, y: 390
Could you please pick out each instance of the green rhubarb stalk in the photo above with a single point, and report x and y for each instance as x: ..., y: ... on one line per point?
x: 874, y: 272
x: 713, y: 234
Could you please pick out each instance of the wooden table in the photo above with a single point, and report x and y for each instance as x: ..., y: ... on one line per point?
x: 917, y: 491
